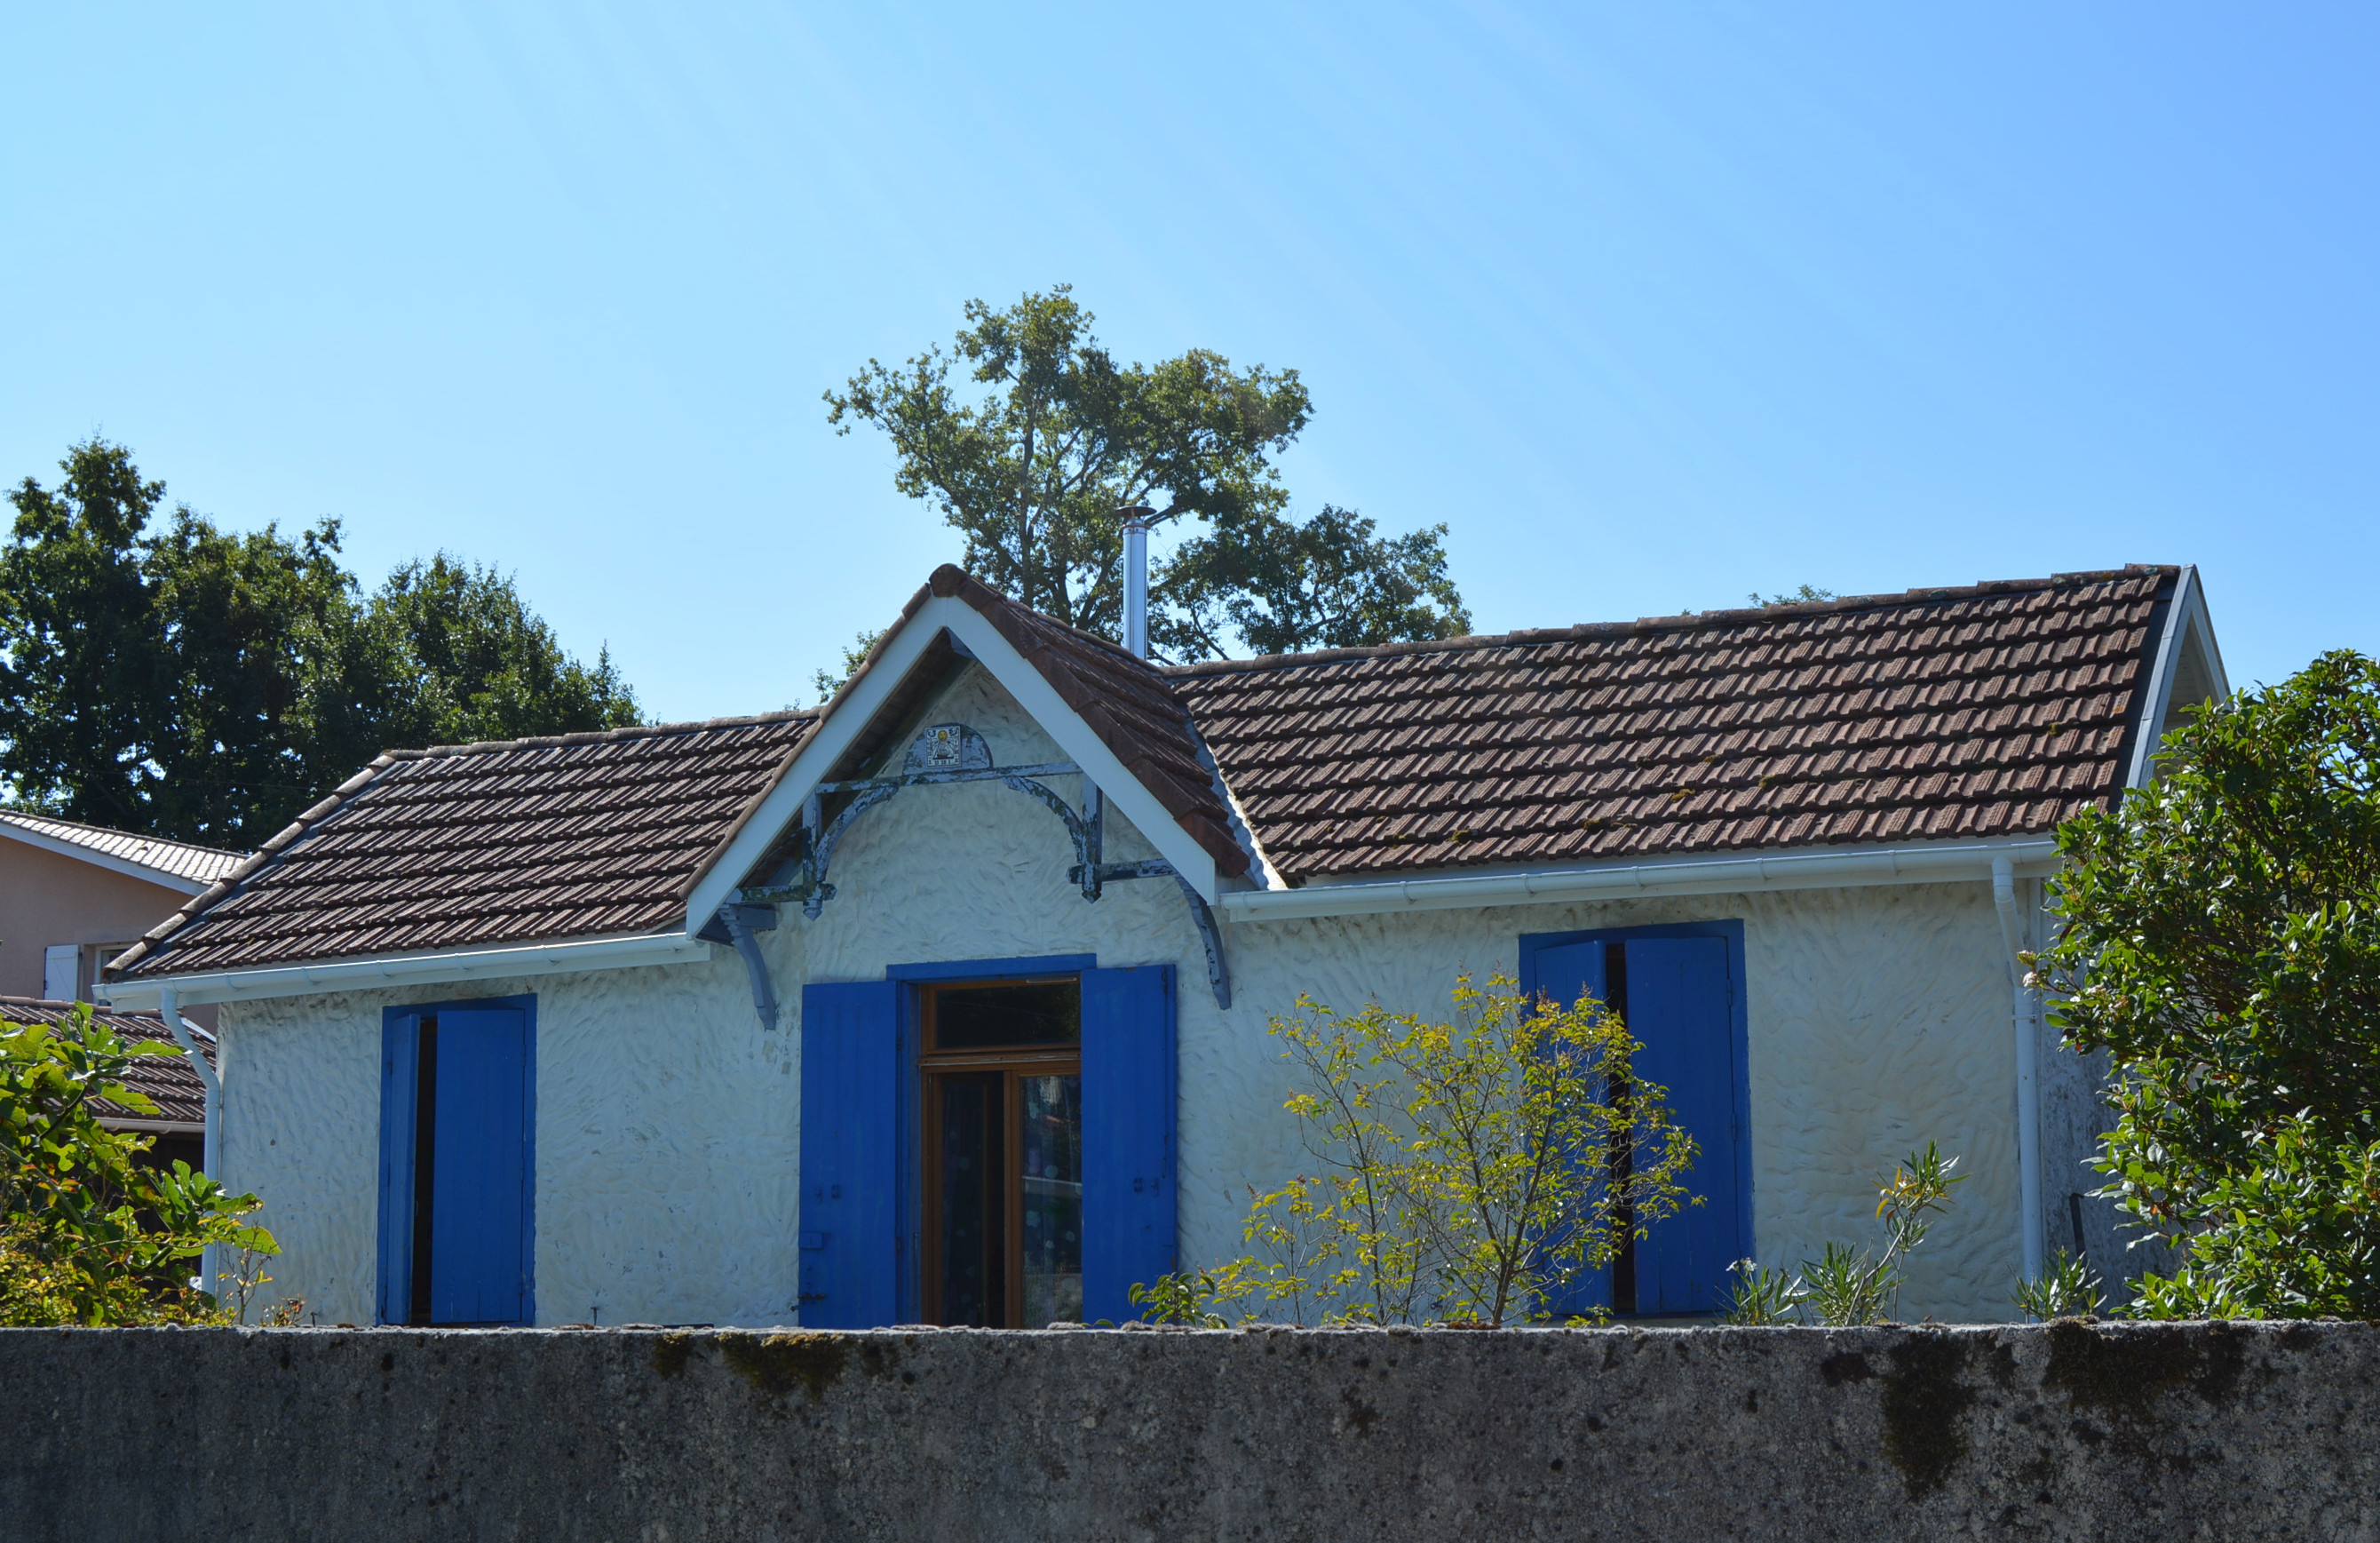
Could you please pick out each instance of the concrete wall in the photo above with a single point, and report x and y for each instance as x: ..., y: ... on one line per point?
x: 2068, y: 1432
x: 47, y: 899
x: 668, y: 1123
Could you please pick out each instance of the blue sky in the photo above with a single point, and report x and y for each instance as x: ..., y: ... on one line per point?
x: 1652, y: 305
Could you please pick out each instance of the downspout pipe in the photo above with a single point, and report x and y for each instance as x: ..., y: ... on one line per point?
x: 169, y: 1007
x: 2028, y: 1082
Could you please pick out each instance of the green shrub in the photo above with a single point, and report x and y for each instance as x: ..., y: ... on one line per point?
x: 1472, y: 1170
x: 2221, y: 937
x: 88, y: 1235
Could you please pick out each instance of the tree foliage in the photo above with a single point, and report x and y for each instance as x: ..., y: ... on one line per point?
x: 88, y: 1233
x: 187, y: 681
x: 1471, y: 1170
x: 2221, y: 937
x: 1030, y: 437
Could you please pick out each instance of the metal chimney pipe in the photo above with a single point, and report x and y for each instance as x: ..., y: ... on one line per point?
x: 1135, y: 581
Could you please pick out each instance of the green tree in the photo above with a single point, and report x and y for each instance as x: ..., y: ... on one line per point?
x: 88, y: 1233
x: 241, y: 617
x: 455, y: 654
x: 85, y: 674
x: 1030, y: 437
x: 205, y: 685
x: 2221, y: 937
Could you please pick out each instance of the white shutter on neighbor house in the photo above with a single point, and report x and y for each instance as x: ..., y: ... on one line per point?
x: 60, y: 966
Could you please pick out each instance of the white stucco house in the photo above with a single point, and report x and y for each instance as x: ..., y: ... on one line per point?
x: 947, y: 1001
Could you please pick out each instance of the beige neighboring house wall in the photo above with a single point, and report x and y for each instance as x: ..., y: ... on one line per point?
x: 65, y: 886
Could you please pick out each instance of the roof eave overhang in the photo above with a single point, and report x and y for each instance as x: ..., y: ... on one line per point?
x: 125, y: 865
x: 868, y: 696
x: 142, y: 993
x: 1720, y: 873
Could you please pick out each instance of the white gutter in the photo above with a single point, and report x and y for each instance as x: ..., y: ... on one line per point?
x: 410, y: 969
x: 2028, y: 1080
x: 1931, y: 862
x: 170, y: 1009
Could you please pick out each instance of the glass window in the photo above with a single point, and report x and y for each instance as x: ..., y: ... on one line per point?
x: 997, y: 1017
x: 1002, y: 1117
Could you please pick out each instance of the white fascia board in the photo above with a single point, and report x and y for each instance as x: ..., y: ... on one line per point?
x: 410, y: 969
x: 2152, y: 705
x: 1810, y: 868
x: 125, y: 865
x: 868, y: 696
x: 155, y: 1127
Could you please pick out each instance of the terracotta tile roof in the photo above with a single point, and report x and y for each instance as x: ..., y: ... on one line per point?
x: 199, y: 865
x: 1126, y: 701
x: 1984, y: 711
x: 479, y: 846
x: 1996, y: 709
x: 169, y: 1080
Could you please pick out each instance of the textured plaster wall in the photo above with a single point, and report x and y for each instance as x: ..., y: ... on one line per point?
x: 665, y: 1145
x: 1878, y: 1017
x: 668, y: 1125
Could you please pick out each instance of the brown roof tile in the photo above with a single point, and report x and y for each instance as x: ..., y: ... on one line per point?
x: 169, y: 1080
x: 1990, y: 710
x: 509, y: 842
x: 1123, y: 699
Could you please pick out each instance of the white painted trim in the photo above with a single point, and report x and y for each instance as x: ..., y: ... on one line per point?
x: 2187, y: 614
x: 1810, y: 868
x: 868, y: 696
x: 155, y: 1127
x: 411, y: 969
x: 157, y: 876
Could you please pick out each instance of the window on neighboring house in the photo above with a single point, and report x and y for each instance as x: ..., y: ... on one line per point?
x: 70, y: 971
x: 457, y: 1126
x: 1002, y: 1116
x: 96, y: 957
x: 988, y: 1144
x: 1680, y: 990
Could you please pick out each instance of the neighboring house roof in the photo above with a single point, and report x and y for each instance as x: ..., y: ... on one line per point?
x: 1992, y: 710
x: 169, y: 1080
x: 513, y: 841
x: 178, y: 864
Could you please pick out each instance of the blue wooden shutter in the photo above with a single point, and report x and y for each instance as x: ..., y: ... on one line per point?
x: 851, y: 1147
x: 1128, y: 1181
x: 400, y: 1046
x: 480, y: 1175
x: 1563, y: 975
x: 1680, y: 1006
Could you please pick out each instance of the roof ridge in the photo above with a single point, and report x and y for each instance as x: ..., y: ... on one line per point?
x: 17, y: 814
x: 1684, y: 622
x: 601, y: 736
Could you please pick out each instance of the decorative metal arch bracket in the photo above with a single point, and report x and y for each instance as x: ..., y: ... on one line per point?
x: 943, y: 755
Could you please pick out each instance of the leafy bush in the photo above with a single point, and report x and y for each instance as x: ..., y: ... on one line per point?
x: 2066, y: 1288
x: 2221, y: 937
x: 1473, y: 1171
x: 1847, y: 1286
x: 88, y: 1235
